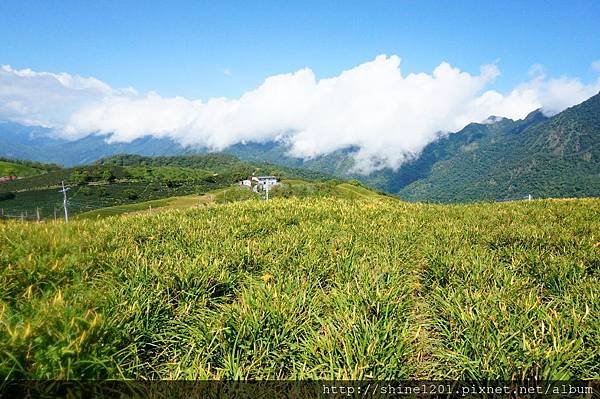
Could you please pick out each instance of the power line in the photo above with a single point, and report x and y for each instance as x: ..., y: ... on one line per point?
x: 64, y: 191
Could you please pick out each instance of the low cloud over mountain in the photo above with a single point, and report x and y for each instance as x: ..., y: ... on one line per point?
x: 387, y: 115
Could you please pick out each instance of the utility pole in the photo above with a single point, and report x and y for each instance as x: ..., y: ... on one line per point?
x: 529, y: 197
x: 64, y: 191
x: 37, y: 213
x: 267, y: 189
x: 54, y: 213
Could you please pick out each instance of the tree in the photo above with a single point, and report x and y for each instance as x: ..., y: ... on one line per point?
x: 80, y: 177
x: 108, y: 176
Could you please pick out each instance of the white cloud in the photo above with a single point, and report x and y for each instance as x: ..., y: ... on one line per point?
x: 44, y: 98
x: 596, y: 65
x: 372, y: 106
x: 553, y: 95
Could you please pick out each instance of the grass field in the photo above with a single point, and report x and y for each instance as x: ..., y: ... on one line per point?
x: 220, y: 196
x: 11, y: 168
x: 307, y: 288
x: 129, y: 208
x: 299, y: 188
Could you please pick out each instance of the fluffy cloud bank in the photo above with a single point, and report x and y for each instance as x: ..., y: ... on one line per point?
x: 373, y: 107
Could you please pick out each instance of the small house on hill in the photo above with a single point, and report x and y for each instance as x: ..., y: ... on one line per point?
x: 259, y: 183
x: 265, y: 182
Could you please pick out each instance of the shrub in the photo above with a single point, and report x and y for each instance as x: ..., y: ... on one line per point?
x: 131, y: 194
x: 7, y: 196
x: 108, y: 176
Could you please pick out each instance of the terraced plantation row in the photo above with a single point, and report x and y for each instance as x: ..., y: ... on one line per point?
x: 311, y: 288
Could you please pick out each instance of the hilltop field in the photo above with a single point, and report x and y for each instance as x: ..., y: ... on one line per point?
x: 123, y: 181
x: 21, y: 168
x: 337, y: 288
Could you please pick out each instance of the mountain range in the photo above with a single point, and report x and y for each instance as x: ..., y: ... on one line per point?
x: 501, y: 159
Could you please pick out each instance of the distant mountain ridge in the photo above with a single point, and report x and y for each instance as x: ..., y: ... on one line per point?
x: 544, y: 157
x: 496, y: 160
x: 37, y: 144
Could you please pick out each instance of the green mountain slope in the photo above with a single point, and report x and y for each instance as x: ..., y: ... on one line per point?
x: 340, y: 163
x: 16, y: 169
x: 557, y: 157
x: 217, y: 162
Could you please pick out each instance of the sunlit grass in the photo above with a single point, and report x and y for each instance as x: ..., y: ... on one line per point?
x: 310, y: 288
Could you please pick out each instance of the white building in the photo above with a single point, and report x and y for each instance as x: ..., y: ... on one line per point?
x: 264, y: 182
x: 259, y: 183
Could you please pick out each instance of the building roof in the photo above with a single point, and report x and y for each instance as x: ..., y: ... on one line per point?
x: 266, y: 177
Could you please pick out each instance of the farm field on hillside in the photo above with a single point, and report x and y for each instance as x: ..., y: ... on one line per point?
x: 307, y: 288
x: 10, y: 168
x: 92, y: 197
x: 121, y: 182
x: 23, y: 168
x: 289, y: 188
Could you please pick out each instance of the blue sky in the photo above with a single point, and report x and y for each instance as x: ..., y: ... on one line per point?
x: 185, y: 48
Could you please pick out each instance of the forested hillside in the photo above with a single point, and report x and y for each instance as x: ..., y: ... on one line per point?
x: 557, y: 157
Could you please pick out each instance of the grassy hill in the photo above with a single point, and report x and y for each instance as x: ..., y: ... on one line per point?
x: 288, y: 188
x: 307, y: 288
x: 15, y: 169
x: 128, y: 179
x: 21, y: 168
